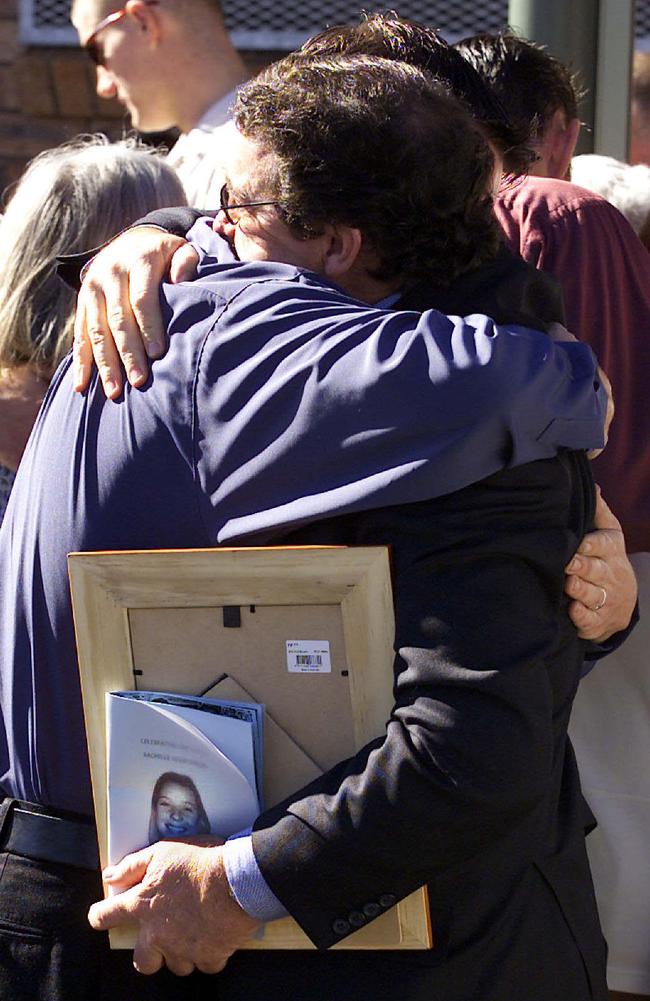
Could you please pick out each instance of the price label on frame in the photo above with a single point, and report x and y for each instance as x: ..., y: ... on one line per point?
x: 308, y: 657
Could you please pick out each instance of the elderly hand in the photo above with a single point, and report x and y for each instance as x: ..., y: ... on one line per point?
x: 118, y: 310
x: 178, y: 894
x: 601, y: 581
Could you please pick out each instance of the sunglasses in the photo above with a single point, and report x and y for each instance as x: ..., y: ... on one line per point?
x: 92, y: 47
x: 227, y: 208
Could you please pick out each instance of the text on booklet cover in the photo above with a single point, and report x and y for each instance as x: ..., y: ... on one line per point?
x: 180, y: 766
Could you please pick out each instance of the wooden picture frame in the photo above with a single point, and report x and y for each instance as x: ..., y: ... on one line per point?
x: 155, y: 620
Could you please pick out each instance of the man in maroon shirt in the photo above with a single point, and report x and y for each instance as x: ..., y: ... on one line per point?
x: 604, y: 271
x: 587, y: 245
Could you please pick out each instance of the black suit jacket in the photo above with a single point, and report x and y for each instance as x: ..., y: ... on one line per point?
x: 473, y: 789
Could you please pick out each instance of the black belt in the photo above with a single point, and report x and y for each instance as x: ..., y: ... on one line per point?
x: 47, y: 835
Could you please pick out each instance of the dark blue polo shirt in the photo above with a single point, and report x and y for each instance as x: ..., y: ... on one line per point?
x: 280, y: 401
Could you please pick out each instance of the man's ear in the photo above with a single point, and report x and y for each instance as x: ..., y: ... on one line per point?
x: 146, y: 18
x: 560, y: 138
x: 342, y: 250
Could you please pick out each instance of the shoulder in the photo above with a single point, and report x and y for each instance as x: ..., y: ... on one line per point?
x: 243, y: 310
x: 266, y: 283
x: 625, y: 185
x: 215, y: 123
x: 545, y: 201
x: 262, y: 283
x: 218, y: 114
x: 560, y: 226
x: 198, y: 154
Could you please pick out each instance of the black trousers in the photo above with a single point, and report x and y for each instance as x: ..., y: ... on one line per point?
x: 49, y: 952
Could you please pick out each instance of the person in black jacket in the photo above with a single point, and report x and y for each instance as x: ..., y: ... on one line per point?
x: 474, y: 788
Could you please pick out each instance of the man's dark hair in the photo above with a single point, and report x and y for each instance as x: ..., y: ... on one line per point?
x: 391, y: 37
x: 380, y: 146
x: 530, y: 83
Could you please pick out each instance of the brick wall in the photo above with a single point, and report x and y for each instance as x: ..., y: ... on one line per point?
x: 47, y: 95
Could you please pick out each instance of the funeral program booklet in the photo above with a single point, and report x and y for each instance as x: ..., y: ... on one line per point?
x: 179, y: 766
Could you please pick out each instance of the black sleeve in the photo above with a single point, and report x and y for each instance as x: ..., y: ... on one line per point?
x: 177, y: 221
x: 506, y: 288
x: 473, y: 757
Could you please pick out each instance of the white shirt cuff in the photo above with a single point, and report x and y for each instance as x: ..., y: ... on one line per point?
x: 247, y: 884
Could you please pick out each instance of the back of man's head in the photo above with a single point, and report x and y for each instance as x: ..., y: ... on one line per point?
x: 537, y: 91
x: 379, y: 146
x: 391, y: 37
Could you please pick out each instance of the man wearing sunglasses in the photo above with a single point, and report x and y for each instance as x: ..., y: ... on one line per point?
x: 172, y: 65
x: 472, y: 786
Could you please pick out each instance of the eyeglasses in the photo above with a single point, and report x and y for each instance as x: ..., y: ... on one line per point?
x: 92, y: 47
x: 227, y: 208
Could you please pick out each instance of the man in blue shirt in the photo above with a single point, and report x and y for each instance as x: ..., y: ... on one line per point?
x: 273, y: 360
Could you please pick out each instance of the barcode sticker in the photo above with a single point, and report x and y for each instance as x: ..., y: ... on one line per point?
x: 308, y: 657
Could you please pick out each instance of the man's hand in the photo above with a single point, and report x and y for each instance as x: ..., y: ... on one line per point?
x: 601, y: 581
x: 118, y: 310
x: 178, y: 894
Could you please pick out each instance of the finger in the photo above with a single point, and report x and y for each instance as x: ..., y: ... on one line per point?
x: 605, y: 542
x: 184, y: 264
x: 114, y: 911
x: 589, y: 595
x: 591, y: 569
x: 125, y: 331
x: 175, y: 964
x: 213, y: 965
x: 147, y: 959
x: 586, y: 621
x: 101, y: 340
x: 82, y: 354
x: 130, y: 870
x: 144, y: 295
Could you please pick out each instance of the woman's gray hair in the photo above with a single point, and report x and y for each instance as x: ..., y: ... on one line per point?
x: 70, y: 199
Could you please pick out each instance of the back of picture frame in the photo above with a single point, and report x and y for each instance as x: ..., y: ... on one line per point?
x: 307, y: 631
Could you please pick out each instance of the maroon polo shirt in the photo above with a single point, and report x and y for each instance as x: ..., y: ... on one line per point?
x: 604, y: 270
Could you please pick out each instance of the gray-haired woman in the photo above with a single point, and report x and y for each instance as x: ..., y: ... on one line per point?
x: 69, y: 199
